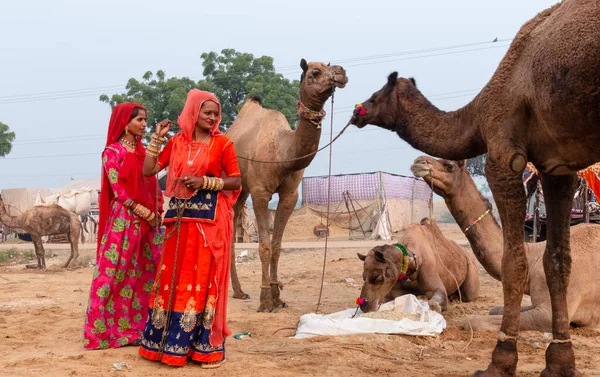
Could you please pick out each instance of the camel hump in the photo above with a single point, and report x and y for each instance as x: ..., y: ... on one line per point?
x: 256, y: 99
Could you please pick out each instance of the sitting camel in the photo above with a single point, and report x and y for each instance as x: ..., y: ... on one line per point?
x: 41, y: 221
x: 437, y: 268
x: 452, y: 181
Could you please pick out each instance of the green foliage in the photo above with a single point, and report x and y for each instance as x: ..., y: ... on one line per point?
x: 6, y: 139
x: 232, y: 76
x: 476, y: 166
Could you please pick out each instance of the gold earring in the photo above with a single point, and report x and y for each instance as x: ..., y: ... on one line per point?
x: 126, y: 131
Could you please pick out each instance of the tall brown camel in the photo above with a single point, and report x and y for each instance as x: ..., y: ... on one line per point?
x: 265, y: 135
x: 543, y: 105
x: 46, y: 220
x: 452, y: 181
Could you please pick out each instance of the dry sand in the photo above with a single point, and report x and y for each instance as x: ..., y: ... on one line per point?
x: 41, y: 320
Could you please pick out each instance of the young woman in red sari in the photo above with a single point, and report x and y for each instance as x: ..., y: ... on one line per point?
x: 187, y: 316
x: 129, y: 242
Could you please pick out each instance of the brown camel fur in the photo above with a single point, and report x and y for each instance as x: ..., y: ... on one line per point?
x: 265, y: 135
x: 452, y: 181
x: 541, y: 105
x: 46, y: 220
x: 438, y: 268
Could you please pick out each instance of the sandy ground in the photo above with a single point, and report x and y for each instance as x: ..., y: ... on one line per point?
x: 41, y: 319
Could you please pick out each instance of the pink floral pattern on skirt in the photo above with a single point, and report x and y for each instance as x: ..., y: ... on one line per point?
x: 123, y: 278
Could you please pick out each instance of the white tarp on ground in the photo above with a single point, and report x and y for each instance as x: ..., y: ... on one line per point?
x: 430, y: 323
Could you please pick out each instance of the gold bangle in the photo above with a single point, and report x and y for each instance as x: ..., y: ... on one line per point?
x: 212, y: 184
x: 222, y: 184
x: 150, y: 217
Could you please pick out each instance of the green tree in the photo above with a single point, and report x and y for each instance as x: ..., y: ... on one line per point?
x: 6, y: 139
x: 476, y: 166
x: 232, y: 76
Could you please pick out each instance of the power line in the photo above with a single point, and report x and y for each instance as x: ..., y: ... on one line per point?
x: 75, y: 93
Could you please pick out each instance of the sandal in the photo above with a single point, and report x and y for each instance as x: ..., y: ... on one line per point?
x: 212, y: 364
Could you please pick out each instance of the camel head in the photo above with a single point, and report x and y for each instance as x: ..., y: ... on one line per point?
x: 381, y: 270
x: 318, y: 81
x: 384, y: 108
x: 448, y: 176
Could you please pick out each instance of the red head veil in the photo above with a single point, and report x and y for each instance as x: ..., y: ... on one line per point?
x: 140, y: 189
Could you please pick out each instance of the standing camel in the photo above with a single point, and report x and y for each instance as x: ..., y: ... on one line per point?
x: 45, y: 220
x: 543, y: 105
x: 265, y: 135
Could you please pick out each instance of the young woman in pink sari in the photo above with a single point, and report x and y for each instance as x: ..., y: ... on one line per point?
x: 129, y: 241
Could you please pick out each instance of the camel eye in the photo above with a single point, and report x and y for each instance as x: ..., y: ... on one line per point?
x: 316, y: 72
x: 449, y: 167
x: 377, y: 279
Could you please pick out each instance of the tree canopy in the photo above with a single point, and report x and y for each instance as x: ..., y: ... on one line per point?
x: 232, y: 76
x: 476, y: 166
x: 6, y: 139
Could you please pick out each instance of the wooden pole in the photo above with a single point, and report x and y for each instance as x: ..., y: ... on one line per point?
x: 536, y: 212
x: 586, y: 201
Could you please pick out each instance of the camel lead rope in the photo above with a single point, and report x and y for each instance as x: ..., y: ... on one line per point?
x: 328, y: 193
x: 430, y: 193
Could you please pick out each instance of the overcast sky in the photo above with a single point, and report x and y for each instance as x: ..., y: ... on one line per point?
x: 59, y: 56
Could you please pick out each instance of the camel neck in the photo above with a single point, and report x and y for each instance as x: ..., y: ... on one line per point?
x: 485, y: 237
x: 6, y: 219
x: 451, y: 135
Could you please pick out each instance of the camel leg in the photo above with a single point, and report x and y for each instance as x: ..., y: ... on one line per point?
x: 433, y: 287
x: 74, y: 232
x: 509, y: 194
x: 39, y: 252
x: 558, y: 196
x: 499, y: 310
x: 469, y: 289
x: 285, y: 207
x: 534, y: 319
x: 260, y: 201
x: 235, y: 282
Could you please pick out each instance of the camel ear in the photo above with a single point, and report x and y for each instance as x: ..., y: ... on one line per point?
x: 362, y: 257
x: 303, y: 65
x: 379, y: 256
x: 391, y: 83
x: 413, y: 81
x: 461, y: 163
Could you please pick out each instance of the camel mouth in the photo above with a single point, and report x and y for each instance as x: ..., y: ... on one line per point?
x: 356, y: 120
x: 421, y: 169
x: 340, y: 82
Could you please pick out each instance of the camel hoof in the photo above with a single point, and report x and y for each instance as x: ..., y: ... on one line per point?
x: 241, y: 296
x: 560, y: 361
x: 33, y: 267
x: 279, y: 304
x: 266, y: 301
x: 504, y: 361
x: 435, y: 306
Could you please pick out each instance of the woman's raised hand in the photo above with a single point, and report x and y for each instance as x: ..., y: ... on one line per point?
x: 163, y: 127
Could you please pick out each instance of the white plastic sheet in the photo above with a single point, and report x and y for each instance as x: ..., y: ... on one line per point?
x: 430, y: 323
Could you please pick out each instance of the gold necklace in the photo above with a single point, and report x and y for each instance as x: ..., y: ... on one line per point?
x: 123, y: 141
x: 190, y: 162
